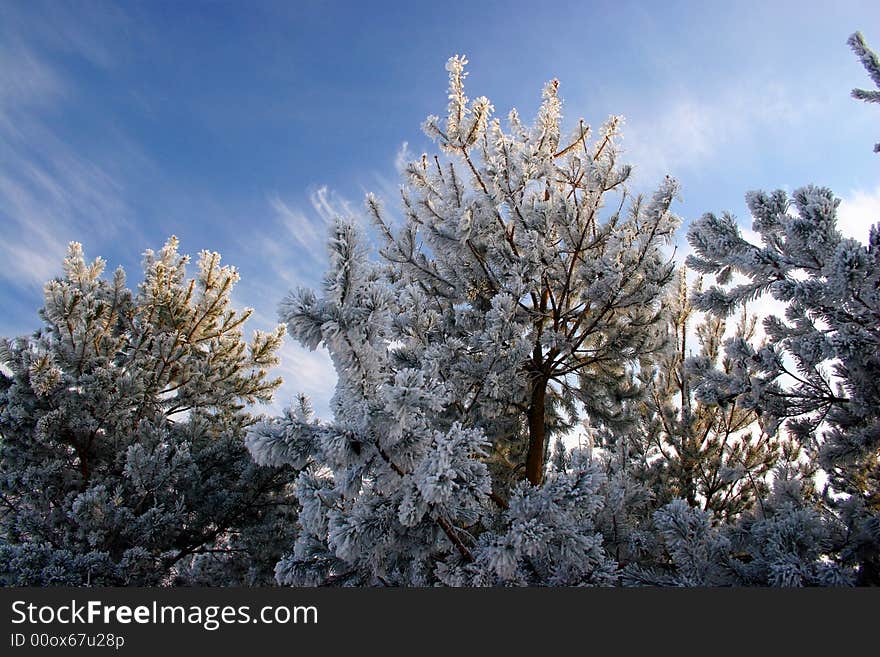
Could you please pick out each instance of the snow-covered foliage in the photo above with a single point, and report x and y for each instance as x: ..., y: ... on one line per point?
x: 526, y: 274
x: 820, y: 370
x: 717, y: 459
x: 783, y: 542
x: 714, y: 457
x: 122, y: 458
x: 871, y: 63
x: 520, y: 295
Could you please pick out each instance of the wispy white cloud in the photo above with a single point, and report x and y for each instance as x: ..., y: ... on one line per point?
x: 292, y: 245
x: 301, y: 230
x: 49, y: 196
x: 307, y: 372
x: 690, y: 130
x: 330, y: 205
x: 89, y: 29
x: 680, y: 136
x: 858, y: 211
x: 50, y: 193
x: 292, y: 248
x: 26, y: 83
x: 403, y: 157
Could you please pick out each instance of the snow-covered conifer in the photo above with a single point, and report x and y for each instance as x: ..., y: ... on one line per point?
x: 122, y: 458
x: 820, y: 370
x: 715, y: 458
x: 520, y: 295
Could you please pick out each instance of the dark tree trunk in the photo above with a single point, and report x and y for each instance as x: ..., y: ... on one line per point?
x: 537, y: 432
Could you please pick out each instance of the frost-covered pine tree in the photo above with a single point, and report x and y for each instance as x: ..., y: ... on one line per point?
x: 520, y: 295
x: 122, y: 419
x: 716, y: 459
x: 819, y: 373
x: 871, y: 63
x: 534, y: 233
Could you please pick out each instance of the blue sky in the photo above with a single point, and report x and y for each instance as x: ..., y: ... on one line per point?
x: 243, y: 127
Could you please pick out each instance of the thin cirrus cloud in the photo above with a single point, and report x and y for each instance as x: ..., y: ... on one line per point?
x: 687, y: 133
x: 52, y: 191
x: 858, y: 211
x: 49, y: 193
x: 293, y: 248
x: 26, y: 85
x: 293, y: 244
x: 51, y: 198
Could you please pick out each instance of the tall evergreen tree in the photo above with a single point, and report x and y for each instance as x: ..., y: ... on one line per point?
x: 521, y: 294
x: 820, y: 371
x: 715, y: 458
x: 121, y: 433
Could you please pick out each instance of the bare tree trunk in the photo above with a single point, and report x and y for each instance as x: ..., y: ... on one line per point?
x: 537, y: 432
